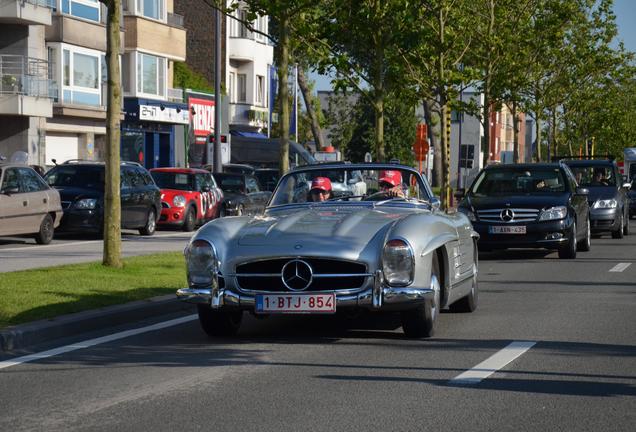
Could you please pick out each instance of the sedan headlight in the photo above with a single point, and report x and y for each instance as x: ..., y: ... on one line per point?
x: 398, y: 263
x: 554, y: 213
x: 179, y: 201
x: 201, y: 263
x: 605, y: 204
x: 86, y: 204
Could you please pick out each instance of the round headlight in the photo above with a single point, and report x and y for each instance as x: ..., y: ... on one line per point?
x: 398, y: 263
x: 179, y: 201
x: 201, y: 263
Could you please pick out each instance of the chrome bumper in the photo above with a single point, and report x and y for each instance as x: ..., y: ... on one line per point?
x: 378, y: 297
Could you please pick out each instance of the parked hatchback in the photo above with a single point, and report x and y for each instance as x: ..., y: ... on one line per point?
x: 28, y: 206
x: 189, y: 197
x: 81, y: 186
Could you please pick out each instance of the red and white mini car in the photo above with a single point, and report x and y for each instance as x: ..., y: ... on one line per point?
x: 189, y: 196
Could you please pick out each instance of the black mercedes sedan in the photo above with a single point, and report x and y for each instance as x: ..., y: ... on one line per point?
x: 528, y: 206
x: 608, y: 197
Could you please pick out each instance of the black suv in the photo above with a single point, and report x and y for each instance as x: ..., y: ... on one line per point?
x: 608, y: 198
x: 529, y: 206
x: 81, y: 187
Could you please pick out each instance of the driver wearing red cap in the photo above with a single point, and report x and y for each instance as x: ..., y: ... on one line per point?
x: 320, y: 189
x: 390, y: 182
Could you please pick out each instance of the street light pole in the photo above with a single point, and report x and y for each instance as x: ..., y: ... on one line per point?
x: 218, y: 167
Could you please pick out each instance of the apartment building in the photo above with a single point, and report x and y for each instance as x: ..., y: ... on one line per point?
x: 502, y: 135
x: 68, y: 47
x: 246, y: 58
x: 25, y: 102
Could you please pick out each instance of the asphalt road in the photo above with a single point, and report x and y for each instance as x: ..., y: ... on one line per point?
x: 575, y: 318
x: 22, y: 253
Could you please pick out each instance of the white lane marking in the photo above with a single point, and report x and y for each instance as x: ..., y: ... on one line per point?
x: 124, y: 237
x: 96, y: 341
x: 492, y: 364
x: 620, y: 267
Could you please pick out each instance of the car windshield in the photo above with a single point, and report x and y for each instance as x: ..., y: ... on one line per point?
x: 518, y: 181
x: 349, y: 184
x: 232, y: 183
x: 594, y: 175
x: 174, y: 180
x: 91, y: 177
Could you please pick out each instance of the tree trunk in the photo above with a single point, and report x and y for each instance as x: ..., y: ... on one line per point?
x: 112, y: 202
x: 315, y: 125
x: 283, y: 96
x: 537, y: 126
x: 378, y: 97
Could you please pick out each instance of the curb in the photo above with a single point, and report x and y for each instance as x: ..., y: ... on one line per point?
x: 26, y: 335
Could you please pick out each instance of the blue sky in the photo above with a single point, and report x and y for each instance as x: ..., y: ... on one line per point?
x: 625, y: 11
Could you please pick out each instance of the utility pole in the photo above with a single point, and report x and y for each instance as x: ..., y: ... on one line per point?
x: 218, y: 167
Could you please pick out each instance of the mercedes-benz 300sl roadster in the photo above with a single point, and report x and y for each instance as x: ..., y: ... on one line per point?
x: 335, y: 237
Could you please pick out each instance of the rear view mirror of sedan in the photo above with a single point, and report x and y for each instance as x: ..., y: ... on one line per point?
x: 435, y: 202
x: 582, y: 191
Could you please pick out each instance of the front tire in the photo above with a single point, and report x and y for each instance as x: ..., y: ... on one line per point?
x: 219, y: 323
x: 151, y: 224
x: 189, y: 221
x: 569, y: 250
x: 618, y: 234
x: 421, y: 321
x: 586, y: 244
x: 45, y: 235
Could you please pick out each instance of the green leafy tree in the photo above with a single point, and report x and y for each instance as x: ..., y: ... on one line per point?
x: 184, y: 77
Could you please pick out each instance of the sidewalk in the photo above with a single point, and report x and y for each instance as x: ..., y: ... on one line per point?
x: 33, y: 333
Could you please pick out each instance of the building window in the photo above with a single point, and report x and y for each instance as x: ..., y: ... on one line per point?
x: 261, y: 25
x: 154, y: 9
x: 260, y: 89
x: 151, y: 73
x: 241, y: 89
x: 81, y: 74
x: 86, y: 9
x: 231, y: 91
x: 237, y: 28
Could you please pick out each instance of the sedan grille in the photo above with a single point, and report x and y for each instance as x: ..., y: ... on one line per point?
x: 508, y: 215
x: 326, y: 275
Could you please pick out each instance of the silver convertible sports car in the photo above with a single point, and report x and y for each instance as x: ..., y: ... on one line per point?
x: 321, y: 250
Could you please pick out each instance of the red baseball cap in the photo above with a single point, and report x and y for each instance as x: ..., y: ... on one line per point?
x: 321, y: 183
x: 391, y: 177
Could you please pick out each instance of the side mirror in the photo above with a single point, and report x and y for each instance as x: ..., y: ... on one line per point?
x: 582, y: 191
x: 459, y: 194
x: 627, y: 186
x: 436, y: 203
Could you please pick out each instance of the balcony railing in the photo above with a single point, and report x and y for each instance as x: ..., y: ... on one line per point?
x: 175, y: 95
x: 44, y: 3
x: 175, y: 20
x: 24, y: 76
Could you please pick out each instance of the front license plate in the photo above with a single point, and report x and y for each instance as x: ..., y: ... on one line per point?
x: 507, y: 229
x: 295, y: 303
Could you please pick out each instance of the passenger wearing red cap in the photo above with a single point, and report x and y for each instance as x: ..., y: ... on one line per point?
x: 390, y: 182
x: 320, y: 189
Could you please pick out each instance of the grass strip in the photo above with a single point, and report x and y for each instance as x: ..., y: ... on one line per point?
x: 32, y: 295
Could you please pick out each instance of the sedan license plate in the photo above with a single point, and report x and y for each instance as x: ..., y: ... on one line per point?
x: 295, y: 303
x: 507, y: 229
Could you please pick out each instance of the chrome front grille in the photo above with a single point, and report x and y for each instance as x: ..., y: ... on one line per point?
x: 508, y: 215
x: 327, y: 275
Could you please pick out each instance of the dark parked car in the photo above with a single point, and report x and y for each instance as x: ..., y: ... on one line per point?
x: 608, y: 198
x: 268, y: 177
x: 81, y: 186
x: 242, y: 193
x: 529, y: 206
